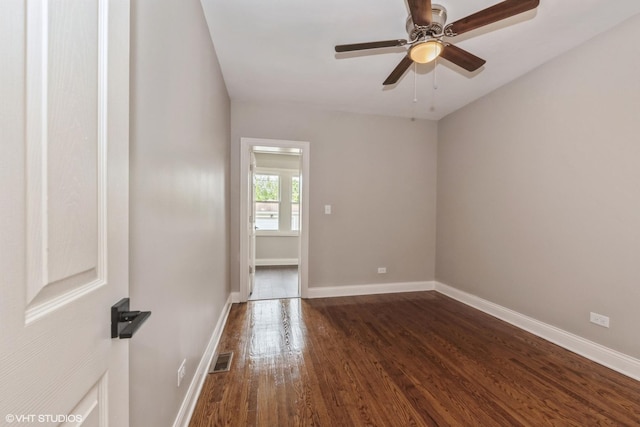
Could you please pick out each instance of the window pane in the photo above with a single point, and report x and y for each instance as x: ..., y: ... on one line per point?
x: 295, y: 189
x: 267, y: 199
x: 295, y: 217
x: 267, y: 188
x: 295, y: 203
x: 267, y: 215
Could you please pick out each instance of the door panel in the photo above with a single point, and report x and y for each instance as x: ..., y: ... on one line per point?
x: 64, y: 210
x: 66, y: 116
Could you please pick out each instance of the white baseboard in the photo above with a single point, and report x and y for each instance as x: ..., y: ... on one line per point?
x: 276, y: 261
x: 605, y: 356
x: 191, y: 398
x: 378, y: 288
x: 235, y: 297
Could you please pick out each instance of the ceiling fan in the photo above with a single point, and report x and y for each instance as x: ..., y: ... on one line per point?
x: 427, y: 30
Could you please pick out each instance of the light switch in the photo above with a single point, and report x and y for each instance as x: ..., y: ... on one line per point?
x: 327, y: 209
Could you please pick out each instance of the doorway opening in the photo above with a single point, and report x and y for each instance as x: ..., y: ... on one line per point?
x: 274, y: 217
x: 275, y: 206
x: 275, y: 282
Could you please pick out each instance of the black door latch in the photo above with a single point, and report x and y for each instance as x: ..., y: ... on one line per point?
x: 125, y: 323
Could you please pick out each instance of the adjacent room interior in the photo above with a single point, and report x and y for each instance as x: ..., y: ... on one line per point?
x: 276, y: 208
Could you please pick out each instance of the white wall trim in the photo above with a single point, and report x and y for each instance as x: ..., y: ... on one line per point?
x: 276, y: 233
x: 235, y: 297
x: 190, y: 399
x: 276, y: 261
x: 372, y: 289
x: 605, y: 356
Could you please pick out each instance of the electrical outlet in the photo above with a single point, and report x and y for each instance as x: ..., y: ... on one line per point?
x: 382, y: 270
x: 182, y: 371
x: 599, y: 319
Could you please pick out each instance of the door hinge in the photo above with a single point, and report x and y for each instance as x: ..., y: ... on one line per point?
x: 250, y: 269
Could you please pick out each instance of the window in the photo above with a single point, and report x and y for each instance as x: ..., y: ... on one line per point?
x: 295, y: 203
x: 277, y: 201
x: 267, y: 198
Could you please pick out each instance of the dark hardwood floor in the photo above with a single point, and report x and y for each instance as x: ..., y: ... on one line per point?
x: 414, y: 359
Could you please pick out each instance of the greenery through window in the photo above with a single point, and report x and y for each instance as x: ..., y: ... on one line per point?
x: 295, y: 203
x: 267, y: 198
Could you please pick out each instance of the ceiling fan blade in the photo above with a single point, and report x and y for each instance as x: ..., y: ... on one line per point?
x: 492, y: 14
x: 462, y: 58
x: 420, y: 11
x: 370, y: 45
x: 397, y: 72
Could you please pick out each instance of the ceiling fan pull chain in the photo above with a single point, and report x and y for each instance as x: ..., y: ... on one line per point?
x: 434, y: 87
x: 415, y: 82
x: 435, y: 80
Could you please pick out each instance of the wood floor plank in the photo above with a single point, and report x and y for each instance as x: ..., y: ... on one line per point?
x: 415, y: 359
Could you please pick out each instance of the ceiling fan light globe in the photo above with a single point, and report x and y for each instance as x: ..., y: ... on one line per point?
x: 426, y: 51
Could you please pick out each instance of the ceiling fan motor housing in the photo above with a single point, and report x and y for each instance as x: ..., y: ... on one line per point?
x: 438, y: 21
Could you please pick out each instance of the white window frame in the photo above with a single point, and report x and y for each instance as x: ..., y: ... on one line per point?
x: 285, y: 199
x: 264, y: 172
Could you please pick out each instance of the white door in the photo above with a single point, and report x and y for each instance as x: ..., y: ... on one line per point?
x: 252, y: 224
x: 64, y: 111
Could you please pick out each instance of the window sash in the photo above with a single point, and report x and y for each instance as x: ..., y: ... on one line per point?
x: 277, y: 217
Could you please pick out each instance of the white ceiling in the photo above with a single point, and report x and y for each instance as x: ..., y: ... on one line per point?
x: 282, y: 51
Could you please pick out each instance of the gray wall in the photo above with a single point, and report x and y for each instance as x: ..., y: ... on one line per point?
x: 269, y: 248
x: 539, y: 194
x: 378, y: 173
x: 180, y: 128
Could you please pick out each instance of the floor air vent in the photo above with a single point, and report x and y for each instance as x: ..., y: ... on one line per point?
x: 221, y: 363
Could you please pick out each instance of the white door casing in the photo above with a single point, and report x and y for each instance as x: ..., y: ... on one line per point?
x: 246, y: 150
x: 64, y: 116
